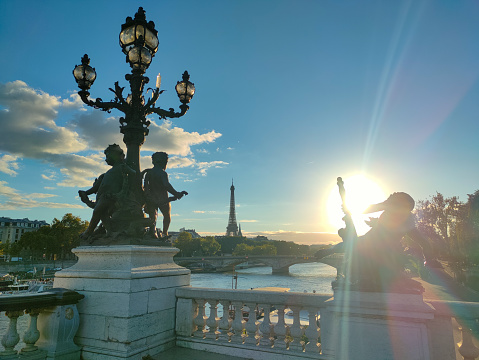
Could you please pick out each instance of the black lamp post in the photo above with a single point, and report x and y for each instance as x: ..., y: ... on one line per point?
x: 139, y: 42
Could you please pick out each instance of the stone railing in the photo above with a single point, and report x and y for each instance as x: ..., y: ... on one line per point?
x: 286, y: 325
x: 53, y: 323
x: 442, y: 329
x: 250, y: 323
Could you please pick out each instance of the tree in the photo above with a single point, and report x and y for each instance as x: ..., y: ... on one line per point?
x: 438, y: 219
x: 242, y: 249
x: 56, y: 239
x: 209, y: 246
x: 187, y: 245
x: 66, y: 234
x: 266, y: 249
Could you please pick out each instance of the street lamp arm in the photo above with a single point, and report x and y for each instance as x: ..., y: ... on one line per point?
x: 170, y: 113
x: 99, y: 103
x: 151, y: 103
x: 119, y: 95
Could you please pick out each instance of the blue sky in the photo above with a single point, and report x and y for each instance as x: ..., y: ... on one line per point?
x: 290, y: 95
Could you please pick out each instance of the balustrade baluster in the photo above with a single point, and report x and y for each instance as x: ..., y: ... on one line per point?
x: 200, y: 319
x: 251, y: 325
x: 225, y: 322
x: 265, y: 327
x: 11, y: 337
x: 212, y: 321
x: 467, y: 348
x: 32, y: 334
x: 281, y: 330
x: 296, y: 331
x: 312, y: 332
x: 238, y: 323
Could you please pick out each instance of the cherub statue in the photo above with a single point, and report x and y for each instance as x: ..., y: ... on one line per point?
x: 157, y: 187
x: 110, y: 187
x: 376, y: 260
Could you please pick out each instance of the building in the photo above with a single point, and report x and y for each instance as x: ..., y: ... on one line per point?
x: 11, y: 230
x: 174, y: 234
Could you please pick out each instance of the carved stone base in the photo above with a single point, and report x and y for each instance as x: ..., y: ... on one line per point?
x: 368, y: 325
x: 129, y: 307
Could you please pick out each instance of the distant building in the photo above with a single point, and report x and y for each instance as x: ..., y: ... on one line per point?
x: 260, y: 238
x: 11, y: 230
x: 232, y: 228
x: 174, y: 234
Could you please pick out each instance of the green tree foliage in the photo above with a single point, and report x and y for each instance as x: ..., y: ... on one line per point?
x: 452, y: 226
x: 229, y: 243
x: 266, y: 249
x: 56, y: 239
x: 244, y: 249
x: 66, y: 233
x: 187, y: 245
x: 290, y: 248
x: 209, y: 246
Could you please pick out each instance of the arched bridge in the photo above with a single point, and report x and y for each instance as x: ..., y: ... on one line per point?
x: 279, y: 263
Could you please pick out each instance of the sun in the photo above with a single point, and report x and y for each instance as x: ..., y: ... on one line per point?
x: 360, y: 193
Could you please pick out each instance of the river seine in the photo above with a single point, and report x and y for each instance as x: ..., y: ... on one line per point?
x: 302, y: 277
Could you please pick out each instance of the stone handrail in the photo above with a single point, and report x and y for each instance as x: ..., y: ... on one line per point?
x: 467, y: 315
x: 202, y: 320
x: 53, y: 324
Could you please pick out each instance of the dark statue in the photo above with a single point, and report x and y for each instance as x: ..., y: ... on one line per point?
x: 157, y: 187
x: 117, y: 203
x: 111, y: 189
x: 376, y: 260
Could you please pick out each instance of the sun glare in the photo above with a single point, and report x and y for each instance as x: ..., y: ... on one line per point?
x: 360, y: 193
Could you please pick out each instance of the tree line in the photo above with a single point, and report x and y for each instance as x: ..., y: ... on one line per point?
x: 50, y: 242
x: 451, y: 226
x: 237, y: 245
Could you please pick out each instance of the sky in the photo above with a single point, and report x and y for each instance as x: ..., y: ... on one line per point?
x: 289, y: 96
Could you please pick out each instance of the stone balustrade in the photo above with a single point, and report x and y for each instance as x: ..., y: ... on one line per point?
x: 286, y: 325
x: 466, y: 314
x: 243, y: 322
x: 52, y: 325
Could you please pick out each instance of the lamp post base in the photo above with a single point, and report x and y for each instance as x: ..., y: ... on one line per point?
x: 129, y: 307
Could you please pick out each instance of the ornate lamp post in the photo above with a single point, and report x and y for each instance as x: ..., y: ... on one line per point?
x: 139, y: 42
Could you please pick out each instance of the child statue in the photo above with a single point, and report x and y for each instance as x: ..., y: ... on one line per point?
x: 157, y: 187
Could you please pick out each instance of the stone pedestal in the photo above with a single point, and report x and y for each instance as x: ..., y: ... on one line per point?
x: 129, y: 306
x: 368, y: 325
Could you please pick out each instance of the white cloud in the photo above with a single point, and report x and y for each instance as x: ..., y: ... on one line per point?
x: 30, y: 123
x: 209, y: 212
x: 248, y: 221
x: 175, y: 140
x: 9, y: 164
x: 204, y: 166
x: 30, y: 118
x: 15, y: 200
x: 50, y: 175
x: 75, y: 102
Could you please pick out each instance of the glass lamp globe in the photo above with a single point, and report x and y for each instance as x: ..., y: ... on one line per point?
x: 84, y: 74
x: 137, y: 32
x: 185, y: 89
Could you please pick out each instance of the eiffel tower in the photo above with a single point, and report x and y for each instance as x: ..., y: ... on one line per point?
x: 232, y: 228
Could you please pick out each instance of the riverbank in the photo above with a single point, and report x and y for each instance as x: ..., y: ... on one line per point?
x: 25, y: 266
